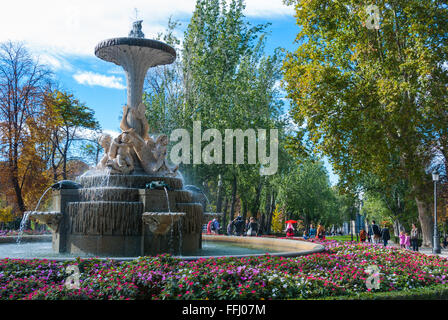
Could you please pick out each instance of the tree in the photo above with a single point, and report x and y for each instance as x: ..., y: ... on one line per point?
x: 306, y: 194
x: 374, y: 100
x: 278, y: 220
x: 164, y: 91
x: 64, y: 119
x: 22, y: 81
x: 221, y: 73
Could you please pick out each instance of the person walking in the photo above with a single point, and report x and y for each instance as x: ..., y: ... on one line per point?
x: 362, y: 235
x: 252, y: 227
x: 376, y: 232
x: 246, y: 227
x: 320, y: 232
x: 215, y: 226
x: 209, y: 227
x: 407, y: 241
x: 369, y: 233
x: 385, y: 235
x: 414, y: 238
x: 402, y: 237
x: 230, y: 228
x: 239, y: 226
x: 289, y: 230
x: 312, y: 232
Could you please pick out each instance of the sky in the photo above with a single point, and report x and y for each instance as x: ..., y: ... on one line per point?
x: 63, y: 35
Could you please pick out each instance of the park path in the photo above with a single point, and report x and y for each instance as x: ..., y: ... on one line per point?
x: 427, y: 251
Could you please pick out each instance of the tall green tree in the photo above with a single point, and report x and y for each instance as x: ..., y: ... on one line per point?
x: 373, y: 99
x: 305, y: 193
x: 224, y: 79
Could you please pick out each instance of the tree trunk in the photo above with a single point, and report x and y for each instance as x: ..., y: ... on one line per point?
x: 426, y: 222
x: 397, y: 227
x: 262, y: 223
x: 219, y: 196
x: 256, y: 204
x: 244, y: 208
x: 271, y: 211
x: 224, y: 215
x: 232, y: 206
x: 17, y: 191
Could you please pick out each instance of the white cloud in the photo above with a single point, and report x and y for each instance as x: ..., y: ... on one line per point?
x: 96, y: 79
x: 267, y: 8
x: 75, y: 27
x: 54, y: 61
x: 89, y: 134
x: 112, y: 133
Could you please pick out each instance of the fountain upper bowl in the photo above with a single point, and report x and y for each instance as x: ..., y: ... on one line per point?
x: 157, y: 52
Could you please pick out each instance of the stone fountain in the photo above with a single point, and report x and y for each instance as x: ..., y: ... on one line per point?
x: 124, y: 206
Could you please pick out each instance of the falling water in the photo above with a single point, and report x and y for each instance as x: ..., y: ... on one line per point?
x: 26, y: 217
x: 167, y: 199
x: 104, y: 182
x: 208, y: 202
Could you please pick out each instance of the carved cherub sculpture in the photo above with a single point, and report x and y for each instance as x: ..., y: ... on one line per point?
x: 104, y: 141
x: 120, y: 158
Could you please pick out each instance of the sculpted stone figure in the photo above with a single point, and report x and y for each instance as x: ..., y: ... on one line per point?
x: 104, y: 141
x: 144, y: 151
x: 135, y: 143
x: 139, y: 121
x: 160, y: 154
x: 152, y: 154
x: 120, y: 158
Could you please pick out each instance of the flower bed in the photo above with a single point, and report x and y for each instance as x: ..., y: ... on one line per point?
x: 338, y: 271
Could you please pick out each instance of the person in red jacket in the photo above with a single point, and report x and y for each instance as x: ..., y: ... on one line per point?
x: 209, y: 227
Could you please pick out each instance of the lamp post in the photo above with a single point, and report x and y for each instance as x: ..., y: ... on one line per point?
x: 436, y: 242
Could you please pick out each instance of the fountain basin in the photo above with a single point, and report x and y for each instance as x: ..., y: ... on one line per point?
x: 51, y: 218
x: 275, y: 246
x: 160, y: 223
x: 26, y: 238
x: 214, y: 246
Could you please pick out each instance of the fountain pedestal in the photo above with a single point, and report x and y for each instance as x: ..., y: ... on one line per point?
x: 108, y: 217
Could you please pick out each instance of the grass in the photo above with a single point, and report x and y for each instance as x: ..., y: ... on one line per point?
x: 342, y: 238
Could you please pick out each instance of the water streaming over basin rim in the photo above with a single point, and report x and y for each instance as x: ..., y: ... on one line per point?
x: 212, y: 246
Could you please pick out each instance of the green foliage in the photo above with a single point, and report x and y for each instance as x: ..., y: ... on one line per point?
x: 437, y: 292
x: 64, y: 118
x: 6, y: 215
x: 278, y: 220
x: 224, y: 79
x: 373, y: 100
x: 306, y: 193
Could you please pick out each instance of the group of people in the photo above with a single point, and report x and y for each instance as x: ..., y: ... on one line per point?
x: 318, y: 233
x: 213, y: 226
x: 239, y: 227
x: 375, y: 235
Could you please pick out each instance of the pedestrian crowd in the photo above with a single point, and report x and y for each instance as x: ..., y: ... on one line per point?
x: 375, y: 234
x: 239, y: 227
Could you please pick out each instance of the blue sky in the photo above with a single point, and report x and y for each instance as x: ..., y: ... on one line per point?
x: 64, y: 33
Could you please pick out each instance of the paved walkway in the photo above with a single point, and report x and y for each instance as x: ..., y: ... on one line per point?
x: 428, y: 251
